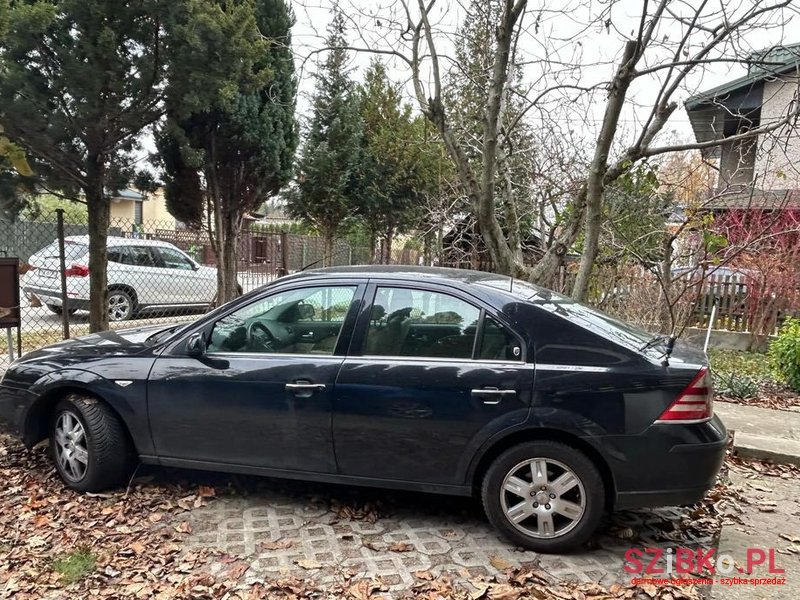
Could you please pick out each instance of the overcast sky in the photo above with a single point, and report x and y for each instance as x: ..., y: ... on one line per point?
x: 589, y: 32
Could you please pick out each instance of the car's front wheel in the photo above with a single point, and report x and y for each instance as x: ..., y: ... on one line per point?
x: 120, y: 305
x: 545, y: 496
x: 89, y: 444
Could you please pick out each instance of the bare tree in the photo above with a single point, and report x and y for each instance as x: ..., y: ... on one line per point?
x: 665, y: 51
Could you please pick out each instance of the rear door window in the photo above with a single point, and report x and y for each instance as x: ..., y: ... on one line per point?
x: 421, y: 323
x: 118, y: 255
x: 141, y: 256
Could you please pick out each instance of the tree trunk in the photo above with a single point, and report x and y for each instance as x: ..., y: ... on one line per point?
x: 510, y: 207
x: 595, y: 183
x: 99, y: 212
x: 217, y: 245
x: 388, y: 252
x: 327, y: 257
x: 227, y: 272
x: 373, y: 246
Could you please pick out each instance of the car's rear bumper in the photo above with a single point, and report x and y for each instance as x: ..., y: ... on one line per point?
x: 668, y: 465
x: 53, y: 297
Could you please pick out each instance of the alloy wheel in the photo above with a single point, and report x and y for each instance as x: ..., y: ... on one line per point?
x: 543, y: 498
x: 71, y: 450
x: 119, y: 306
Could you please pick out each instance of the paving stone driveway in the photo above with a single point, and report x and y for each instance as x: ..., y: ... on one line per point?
x: 447, y: 535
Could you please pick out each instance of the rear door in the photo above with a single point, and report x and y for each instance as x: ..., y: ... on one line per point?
x: 188, y: 286
x: 151, y: 284
x: 430, y: 373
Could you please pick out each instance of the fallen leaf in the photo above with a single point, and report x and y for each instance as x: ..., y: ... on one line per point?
x: 499, y: 563
x: 363, y: 589
x: 236, y: 571
x: 206, y: 491
x: 308, y: 564
x: 277, y: 545
x: 425, y: 575
x: 401, y: 547
x: 503, y: 591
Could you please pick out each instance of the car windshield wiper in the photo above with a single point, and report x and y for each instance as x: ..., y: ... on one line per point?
x: 654, y: 341
x: 157, y: 336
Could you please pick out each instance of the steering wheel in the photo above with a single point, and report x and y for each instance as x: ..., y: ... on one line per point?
x: 260, y: 338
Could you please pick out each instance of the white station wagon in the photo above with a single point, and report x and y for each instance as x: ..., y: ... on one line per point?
x: 142, y: 275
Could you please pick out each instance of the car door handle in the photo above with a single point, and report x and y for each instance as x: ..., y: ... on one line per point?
x: 304, y: 388
x: 492, y: 395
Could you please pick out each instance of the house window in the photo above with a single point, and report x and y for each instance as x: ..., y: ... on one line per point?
x: 137, y: 212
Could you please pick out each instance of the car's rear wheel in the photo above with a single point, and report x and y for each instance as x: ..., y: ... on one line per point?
x: 545, y: 496
x: 120, y: 305
x: 58, y: 310
x: 89, y: 444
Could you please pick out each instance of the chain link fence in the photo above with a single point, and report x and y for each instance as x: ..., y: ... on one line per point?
x: 158, y: 272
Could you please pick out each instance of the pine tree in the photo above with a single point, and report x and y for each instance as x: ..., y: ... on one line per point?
x: 228, y: 157
x: 395, y: 171
x: 80, y: 80
x: 326, y: 192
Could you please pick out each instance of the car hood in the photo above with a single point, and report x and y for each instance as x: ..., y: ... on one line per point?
x: 109, y: 343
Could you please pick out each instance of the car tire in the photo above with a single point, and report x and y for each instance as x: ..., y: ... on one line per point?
x: 57, y: 309
x: 89, y: 444
x: 550, y: 518
x: 120, y: 305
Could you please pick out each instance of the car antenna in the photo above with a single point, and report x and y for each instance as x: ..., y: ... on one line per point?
x: 670, y: 346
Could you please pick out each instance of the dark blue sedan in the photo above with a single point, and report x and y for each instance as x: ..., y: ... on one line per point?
x: 446, y: 381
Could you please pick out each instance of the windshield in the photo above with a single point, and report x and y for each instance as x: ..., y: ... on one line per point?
x: 590, y: 318
x: 72, y: 250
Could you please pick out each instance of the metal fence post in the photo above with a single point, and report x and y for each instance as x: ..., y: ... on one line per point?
x: 62, y: 269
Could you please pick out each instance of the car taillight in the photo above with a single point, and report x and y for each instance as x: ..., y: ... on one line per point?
x: 76, y: 271
x: 695, y: 402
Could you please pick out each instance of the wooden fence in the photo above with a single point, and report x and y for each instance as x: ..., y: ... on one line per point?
x: 744, y: 305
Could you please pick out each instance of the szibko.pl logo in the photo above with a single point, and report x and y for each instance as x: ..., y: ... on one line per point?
x: 682, y: 561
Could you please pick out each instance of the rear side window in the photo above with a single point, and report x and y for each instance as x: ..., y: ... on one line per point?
x: 498, y: 343
x: 420, y: 323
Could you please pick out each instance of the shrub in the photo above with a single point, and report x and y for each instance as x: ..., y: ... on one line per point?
x: 784, y: 353
x: 739, y: 387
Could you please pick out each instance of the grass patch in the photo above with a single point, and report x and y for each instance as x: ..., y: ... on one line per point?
x: 735, y: 363
x: 74, y: 566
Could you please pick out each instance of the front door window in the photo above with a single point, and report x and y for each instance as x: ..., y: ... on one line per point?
x: 300, y: 321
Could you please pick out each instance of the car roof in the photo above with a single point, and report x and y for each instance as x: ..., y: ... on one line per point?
x: 492, y: 283
x: 118, y: 241
x: 404, y: 272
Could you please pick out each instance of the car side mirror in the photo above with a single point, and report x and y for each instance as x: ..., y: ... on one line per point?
x: 196, y: 345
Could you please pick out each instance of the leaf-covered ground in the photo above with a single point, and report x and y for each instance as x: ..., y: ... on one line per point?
x: 55, y: 543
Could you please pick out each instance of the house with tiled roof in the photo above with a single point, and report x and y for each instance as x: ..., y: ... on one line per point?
x: 763, y: 172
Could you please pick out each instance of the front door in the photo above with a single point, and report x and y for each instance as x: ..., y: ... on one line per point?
x: 261, y: 395
x: 436, y: 372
